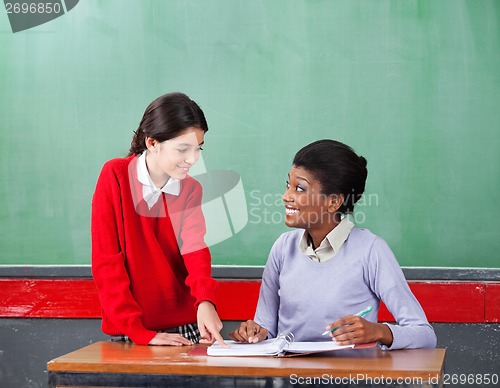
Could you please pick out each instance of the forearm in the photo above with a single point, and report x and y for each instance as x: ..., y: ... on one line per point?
x: 412, y: 337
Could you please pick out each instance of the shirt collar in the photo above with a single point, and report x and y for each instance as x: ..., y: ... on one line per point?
x: 339, y: 234
x: 333, y: 240
x: 172, y: 186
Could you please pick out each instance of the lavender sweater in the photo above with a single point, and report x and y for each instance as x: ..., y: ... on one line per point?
x: 302, y: 296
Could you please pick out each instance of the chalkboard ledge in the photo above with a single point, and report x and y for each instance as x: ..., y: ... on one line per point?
x: 248, y: 272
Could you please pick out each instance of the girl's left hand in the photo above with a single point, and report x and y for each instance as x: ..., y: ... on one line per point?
x: 209, y: 324
x: 356, y: 330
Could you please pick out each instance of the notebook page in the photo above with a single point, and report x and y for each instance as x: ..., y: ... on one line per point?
x: 308, y: 347
x: 263, y: 348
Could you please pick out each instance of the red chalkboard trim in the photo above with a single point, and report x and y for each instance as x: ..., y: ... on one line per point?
x: 454, y: 301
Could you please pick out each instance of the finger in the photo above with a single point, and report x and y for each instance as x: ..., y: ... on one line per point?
x: 235, y: 335
x: 203, y: 331
x: 252, y: 330
x: 208, y: 339
x: 260, y: 336
x: 336, y: 324
x: 347, y: 320
x: 344, y: 332
x: 170, y: 339
x: 347, y: 323
x: 351, y: 341
x: 180, y: 339
x: 219, y: 339
x: 243, y: 331
x: 350, y: 335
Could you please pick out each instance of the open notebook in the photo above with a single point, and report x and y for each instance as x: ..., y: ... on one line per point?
x: 280, y: 346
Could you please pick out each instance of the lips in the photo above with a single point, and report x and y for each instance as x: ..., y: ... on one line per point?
x: 184, y: 169
x: 290, y: 211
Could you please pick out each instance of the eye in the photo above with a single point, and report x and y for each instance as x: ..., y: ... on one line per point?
x: 300, y: 188
x: 287, y: 184
x: 183, y: 151
x: 199, y: 149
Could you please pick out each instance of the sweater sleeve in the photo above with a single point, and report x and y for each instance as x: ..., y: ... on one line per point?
x: 108, y: 260
x: 389, y: 284
x: 195, y: 252
x: 266, y: 314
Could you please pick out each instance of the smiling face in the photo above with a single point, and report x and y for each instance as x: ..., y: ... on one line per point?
x: 174, y: 157
x: 307, y: 207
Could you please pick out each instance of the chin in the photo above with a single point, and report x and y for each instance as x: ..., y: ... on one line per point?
x: 179, y: 177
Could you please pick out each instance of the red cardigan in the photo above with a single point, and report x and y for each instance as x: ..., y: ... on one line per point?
x: 144, y: 282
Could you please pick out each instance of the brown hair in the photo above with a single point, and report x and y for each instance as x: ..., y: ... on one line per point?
x: 165, y: 118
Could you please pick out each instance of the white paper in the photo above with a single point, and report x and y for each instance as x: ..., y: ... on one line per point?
x: 272, y: 347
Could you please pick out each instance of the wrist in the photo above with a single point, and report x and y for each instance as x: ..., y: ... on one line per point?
x: 385, y: 335
x: 206, y: 303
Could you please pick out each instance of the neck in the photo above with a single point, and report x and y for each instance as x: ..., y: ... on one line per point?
x: 159, y: 177
x: 317, y: 235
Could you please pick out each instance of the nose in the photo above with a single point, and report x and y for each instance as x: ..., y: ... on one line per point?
x: 192, y: 157
x: 287, y: 197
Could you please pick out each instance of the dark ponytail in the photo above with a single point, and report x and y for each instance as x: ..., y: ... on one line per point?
x: 165, y: 118
x: 138, y: 144
x: 337, y: 168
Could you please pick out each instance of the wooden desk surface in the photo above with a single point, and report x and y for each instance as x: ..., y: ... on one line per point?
x: 116, y: 357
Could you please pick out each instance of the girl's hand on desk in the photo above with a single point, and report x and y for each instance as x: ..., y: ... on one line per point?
x: 356, y: 330
x: 209, y: 324
x: 169, y: 339
x: 250, y: 332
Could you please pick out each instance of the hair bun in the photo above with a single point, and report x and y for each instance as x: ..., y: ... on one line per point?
x: 362, y: 161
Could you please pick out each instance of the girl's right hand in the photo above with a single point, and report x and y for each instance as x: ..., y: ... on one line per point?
x: 172, y: 339
x: 250, y: 332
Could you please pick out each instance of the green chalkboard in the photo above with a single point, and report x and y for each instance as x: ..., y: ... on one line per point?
x: 414, y: 86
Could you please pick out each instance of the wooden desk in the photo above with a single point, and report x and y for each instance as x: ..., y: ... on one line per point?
x: 118, y: 364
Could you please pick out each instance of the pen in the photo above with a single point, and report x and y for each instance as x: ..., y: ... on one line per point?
x: 362, y: 313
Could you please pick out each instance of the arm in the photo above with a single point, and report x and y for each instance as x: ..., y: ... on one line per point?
x: 266, y: 316
x: 108, y: 260
x: 268, y: 304
x: 389, y: 284
x: 197, y: 260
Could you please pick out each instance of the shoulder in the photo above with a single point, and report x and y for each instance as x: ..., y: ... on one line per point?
x: 287, y: 242
x: 191, y: 191
x: 283, y: 249
x: 114, y: 173
x: 290, y: 237
x: 367, y: 245
x: 374, y: 249
x: 117, y: 166
x: 366, y: 238
x: 190, y: 184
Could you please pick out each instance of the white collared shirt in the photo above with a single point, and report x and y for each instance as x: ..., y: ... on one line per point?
x: 150, y: 192
x: 331, y: 244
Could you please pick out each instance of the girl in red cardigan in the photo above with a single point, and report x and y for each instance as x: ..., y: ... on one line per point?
x: 149, y: 259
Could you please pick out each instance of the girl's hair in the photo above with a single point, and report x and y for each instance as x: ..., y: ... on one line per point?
x: 165, y: 118
x: 337, y: 168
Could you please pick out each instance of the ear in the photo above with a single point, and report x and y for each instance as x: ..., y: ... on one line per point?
x: 336, y: 201
x: 151, y: 144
